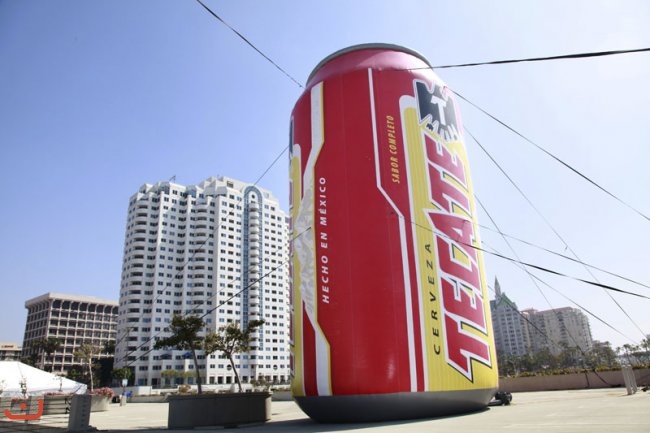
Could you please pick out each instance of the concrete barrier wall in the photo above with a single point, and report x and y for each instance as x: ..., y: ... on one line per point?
x: 590, y: 380
x: 282, y: 396
x: 148, y: 399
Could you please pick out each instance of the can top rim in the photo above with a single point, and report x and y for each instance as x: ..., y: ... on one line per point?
x: 358, y: 47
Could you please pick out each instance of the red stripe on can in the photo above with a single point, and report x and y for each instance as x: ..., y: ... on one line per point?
x: 309, y: 356
x: 361, y: 303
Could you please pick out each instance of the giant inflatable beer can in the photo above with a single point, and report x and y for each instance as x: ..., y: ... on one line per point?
x: 390, y: 311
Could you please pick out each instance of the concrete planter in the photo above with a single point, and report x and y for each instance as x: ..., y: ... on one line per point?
x: 148, y: 399
x: 99, y: 403
x: 282, y: 396
x: 224, y: 410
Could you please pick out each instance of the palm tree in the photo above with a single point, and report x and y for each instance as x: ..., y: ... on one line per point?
x: 47, y: 346
x: 645, y: 347
x: 231, y: 339
x: 628, y: 348
x: 121, y: 373
x: 108, y: 347
x: 185, y: 336
x: 168, y: 375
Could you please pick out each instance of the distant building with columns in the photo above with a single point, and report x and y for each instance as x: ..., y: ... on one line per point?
x: 72, y: 319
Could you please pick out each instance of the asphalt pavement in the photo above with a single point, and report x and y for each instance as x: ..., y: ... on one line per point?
x: 592, y: 411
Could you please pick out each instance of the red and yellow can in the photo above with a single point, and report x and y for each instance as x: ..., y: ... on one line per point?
x: 390, y: 310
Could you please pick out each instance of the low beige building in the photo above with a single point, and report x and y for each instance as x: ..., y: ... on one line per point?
x: 10, y: 352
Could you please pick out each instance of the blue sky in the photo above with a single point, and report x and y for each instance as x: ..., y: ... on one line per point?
x: 97, y: 98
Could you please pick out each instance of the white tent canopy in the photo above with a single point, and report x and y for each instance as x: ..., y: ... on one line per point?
x: 37, y: 381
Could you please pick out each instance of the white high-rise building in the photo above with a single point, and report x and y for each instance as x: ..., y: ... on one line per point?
x: 218, y: 250
x: 558, y: 328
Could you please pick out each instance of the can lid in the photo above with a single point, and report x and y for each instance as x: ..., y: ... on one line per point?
x: 374, y: 45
